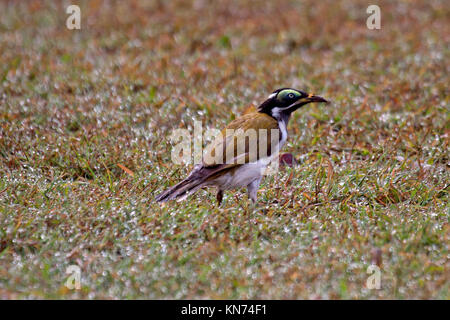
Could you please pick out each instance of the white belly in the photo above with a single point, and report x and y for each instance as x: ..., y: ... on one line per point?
x: 242, y: 176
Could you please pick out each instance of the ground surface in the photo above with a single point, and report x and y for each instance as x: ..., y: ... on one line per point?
x: 85, y: 121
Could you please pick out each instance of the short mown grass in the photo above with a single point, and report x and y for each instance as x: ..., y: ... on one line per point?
x: 85, y: 124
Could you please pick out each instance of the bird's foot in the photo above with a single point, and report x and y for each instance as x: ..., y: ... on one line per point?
x: 219, y: 197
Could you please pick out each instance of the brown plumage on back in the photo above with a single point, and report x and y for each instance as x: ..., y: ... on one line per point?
x: 242, y: 130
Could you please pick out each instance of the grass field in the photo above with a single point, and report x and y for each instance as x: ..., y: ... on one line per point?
x: 85, y: 121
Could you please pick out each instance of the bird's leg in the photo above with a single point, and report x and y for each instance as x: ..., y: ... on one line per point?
x: 252, y: 189
x: 219, y: 197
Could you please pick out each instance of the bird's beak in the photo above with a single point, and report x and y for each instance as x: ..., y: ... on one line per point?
x: 312, y: 98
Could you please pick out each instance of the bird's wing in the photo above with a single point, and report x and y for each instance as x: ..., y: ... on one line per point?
x: 237, y: 141
x: 244, y: 140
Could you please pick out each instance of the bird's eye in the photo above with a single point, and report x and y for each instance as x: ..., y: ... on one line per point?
x: 291, y: 95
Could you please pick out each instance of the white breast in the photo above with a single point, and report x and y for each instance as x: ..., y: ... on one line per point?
x: 276, y: 113
x: 283, y: 131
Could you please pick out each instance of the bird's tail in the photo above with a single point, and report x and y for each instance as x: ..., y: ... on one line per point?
x: 181, y: 190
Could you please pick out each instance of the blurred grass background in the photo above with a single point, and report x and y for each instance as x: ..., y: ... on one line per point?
x: 85, y: 120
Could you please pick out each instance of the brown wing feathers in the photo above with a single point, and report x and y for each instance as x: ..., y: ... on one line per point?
x: 226, y: 147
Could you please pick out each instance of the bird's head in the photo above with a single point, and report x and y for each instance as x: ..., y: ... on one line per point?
x: 282, y: 102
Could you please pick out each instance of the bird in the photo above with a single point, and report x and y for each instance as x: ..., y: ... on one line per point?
x: 247, y: 154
